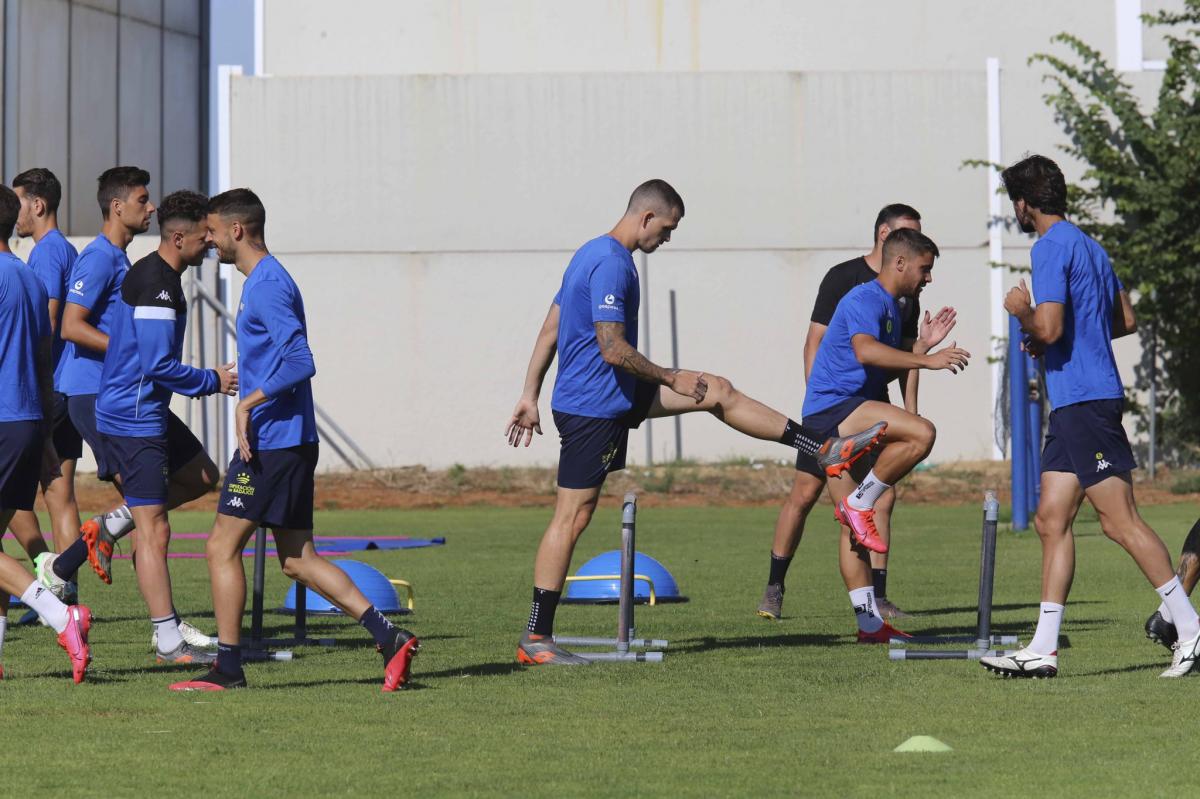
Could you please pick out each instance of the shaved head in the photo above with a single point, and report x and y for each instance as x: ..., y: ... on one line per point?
x: 657, y: 196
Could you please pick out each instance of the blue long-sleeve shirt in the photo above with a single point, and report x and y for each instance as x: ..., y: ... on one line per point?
x: 96, y: 285
x: 273, y: 355
x: 143, y: 365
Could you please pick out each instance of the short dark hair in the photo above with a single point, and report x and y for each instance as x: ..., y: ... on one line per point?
x: 890, y: 213
x: 40, y: 182
x: 657, y: 195
x: 1039, y: 182
x: 241, y: 205
x: 909, y: 242
x: 181, y: 205
x: 10, y: 207
x: 116, y: 183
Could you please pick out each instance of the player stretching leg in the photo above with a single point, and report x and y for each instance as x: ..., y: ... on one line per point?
x: 1081, y: 308
x: 1159, y: 627
x: 270, y: 478
x: 810, y: 478
x: 92, y: 301
x: 51, y: 260
x: 26, y: 443
x: 605, y: 388
x: 859, y: 353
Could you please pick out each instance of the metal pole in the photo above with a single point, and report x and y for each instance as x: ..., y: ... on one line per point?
x: 1018, y: 420
x: 987, y: 569
x: 256, y: 607
x: 625, y: 610
x: 995, y: 231
x: 301, y: 625
x: 1033, y: 437
x: 675, y: 365
x: 645, y: 340
x: 1152, y: 464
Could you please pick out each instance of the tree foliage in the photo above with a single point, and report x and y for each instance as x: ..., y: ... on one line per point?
x: 1140, y: 198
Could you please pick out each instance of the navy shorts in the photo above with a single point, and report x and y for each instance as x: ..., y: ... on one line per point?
x: 274, y: 490
x: 1087, y: 440
x: 81, y: 410
x: 67, y: 441
x: 590, y: 448
x: 826, y: 423
x: 146, y: 463
x: 20, y: 464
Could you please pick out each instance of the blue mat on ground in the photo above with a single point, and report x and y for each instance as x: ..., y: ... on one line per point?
x: 327, y: 545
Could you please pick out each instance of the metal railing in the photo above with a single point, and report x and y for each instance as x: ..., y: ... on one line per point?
x: 216, y: 412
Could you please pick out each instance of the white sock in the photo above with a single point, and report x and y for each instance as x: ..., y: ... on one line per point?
x: 868, y: 491
x: 1165, y: 612
x: 1045, y: 640
x: 47, y: 605
x: 119, y: 522
x: 1183, y: 615
x: 865, y: 612
x: 3, y: 630
x: 168, y: 633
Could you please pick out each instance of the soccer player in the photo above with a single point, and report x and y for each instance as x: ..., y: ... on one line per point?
x: 605, y: 388
x: 51, y: 260
x: 1081, y: 308
x: 270, y: 478
x: 810, y: 478
x: 1159, y: 627
x: 93, y: 298
x: 26, y: 444
x: 858, y: 355
x: 142, y: 440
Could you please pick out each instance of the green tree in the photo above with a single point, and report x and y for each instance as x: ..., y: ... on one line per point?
x: 1140, y: 198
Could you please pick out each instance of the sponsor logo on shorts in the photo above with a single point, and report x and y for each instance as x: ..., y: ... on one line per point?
x: 607, y: 458
x: 235, y: 502
x: 241, y: 485
x: 1101, y: 464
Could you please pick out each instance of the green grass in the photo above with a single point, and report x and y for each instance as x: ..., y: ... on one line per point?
x: 741, y: 706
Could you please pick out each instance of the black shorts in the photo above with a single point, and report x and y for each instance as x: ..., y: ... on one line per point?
x: 82, y: 411
x: 274, y: 490
x: 146, y: 463
x: 67, y: 441
x: 590, y: 448
x: 1087, y: 440
x: 826, y: 423
x: 20, y: 464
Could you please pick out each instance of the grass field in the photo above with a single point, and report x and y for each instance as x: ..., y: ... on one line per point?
x: 741, y: 706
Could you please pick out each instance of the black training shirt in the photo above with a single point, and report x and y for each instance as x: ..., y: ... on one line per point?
x: 840, y: 279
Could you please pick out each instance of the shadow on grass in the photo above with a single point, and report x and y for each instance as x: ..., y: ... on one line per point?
x: 417, y: 680
x: 709, y: 643
x: 1124, y: 669
x: 1030, y: 606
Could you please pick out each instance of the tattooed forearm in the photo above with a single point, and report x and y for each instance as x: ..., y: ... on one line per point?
x: 618, y: 352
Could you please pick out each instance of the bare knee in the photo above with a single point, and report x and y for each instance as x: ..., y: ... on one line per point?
x: 926, y: 436
x: 293, y: 568
x: 1050, y: 526
x: 720, y: 391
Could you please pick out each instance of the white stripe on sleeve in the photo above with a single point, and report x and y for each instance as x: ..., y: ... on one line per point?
x: 154, y: 312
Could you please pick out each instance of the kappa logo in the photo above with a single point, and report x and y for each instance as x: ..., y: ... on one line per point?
x: 163, y: 295
x: 236, y: 502
x: 1101, y: 464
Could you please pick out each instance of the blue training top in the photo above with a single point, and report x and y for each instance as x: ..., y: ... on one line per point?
x: 143, y: 365
x: 96, y: 285
x: 600, y: 285
x: 51, y: 259
x: 24, y: 321
x: 1070, y: 267
x: 837, y: 374
x: 273, y: 354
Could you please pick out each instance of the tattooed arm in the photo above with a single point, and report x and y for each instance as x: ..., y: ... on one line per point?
x: 618, y: 352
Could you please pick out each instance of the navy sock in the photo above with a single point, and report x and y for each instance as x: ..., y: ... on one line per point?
x: 806, y: 440
x: 879, y: 581
x: 377, y: 625
x: 68, y: 563
x: 229, y: 659
x: 779, y: 567
x: 541, y: 613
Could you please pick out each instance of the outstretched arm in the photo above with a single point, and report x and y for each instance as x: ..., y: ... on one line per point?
x: 872, y: 352
x: 526, y: 419
x: 618, y: 352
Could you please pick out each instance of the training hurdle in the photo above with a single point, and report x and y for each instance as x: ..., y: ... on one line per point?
x: 983, y: 640
x: 626, y: 640
x: 259, y: 648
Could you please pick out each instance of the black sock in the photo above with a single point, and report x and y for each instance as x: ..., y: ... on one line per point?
x: 67, y: 564
x: 229, y: 659
x: 802, y: 438
x: 779, y: 567
x: 541, y: 613
x: 377, y: 625
x: 879, y: 580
